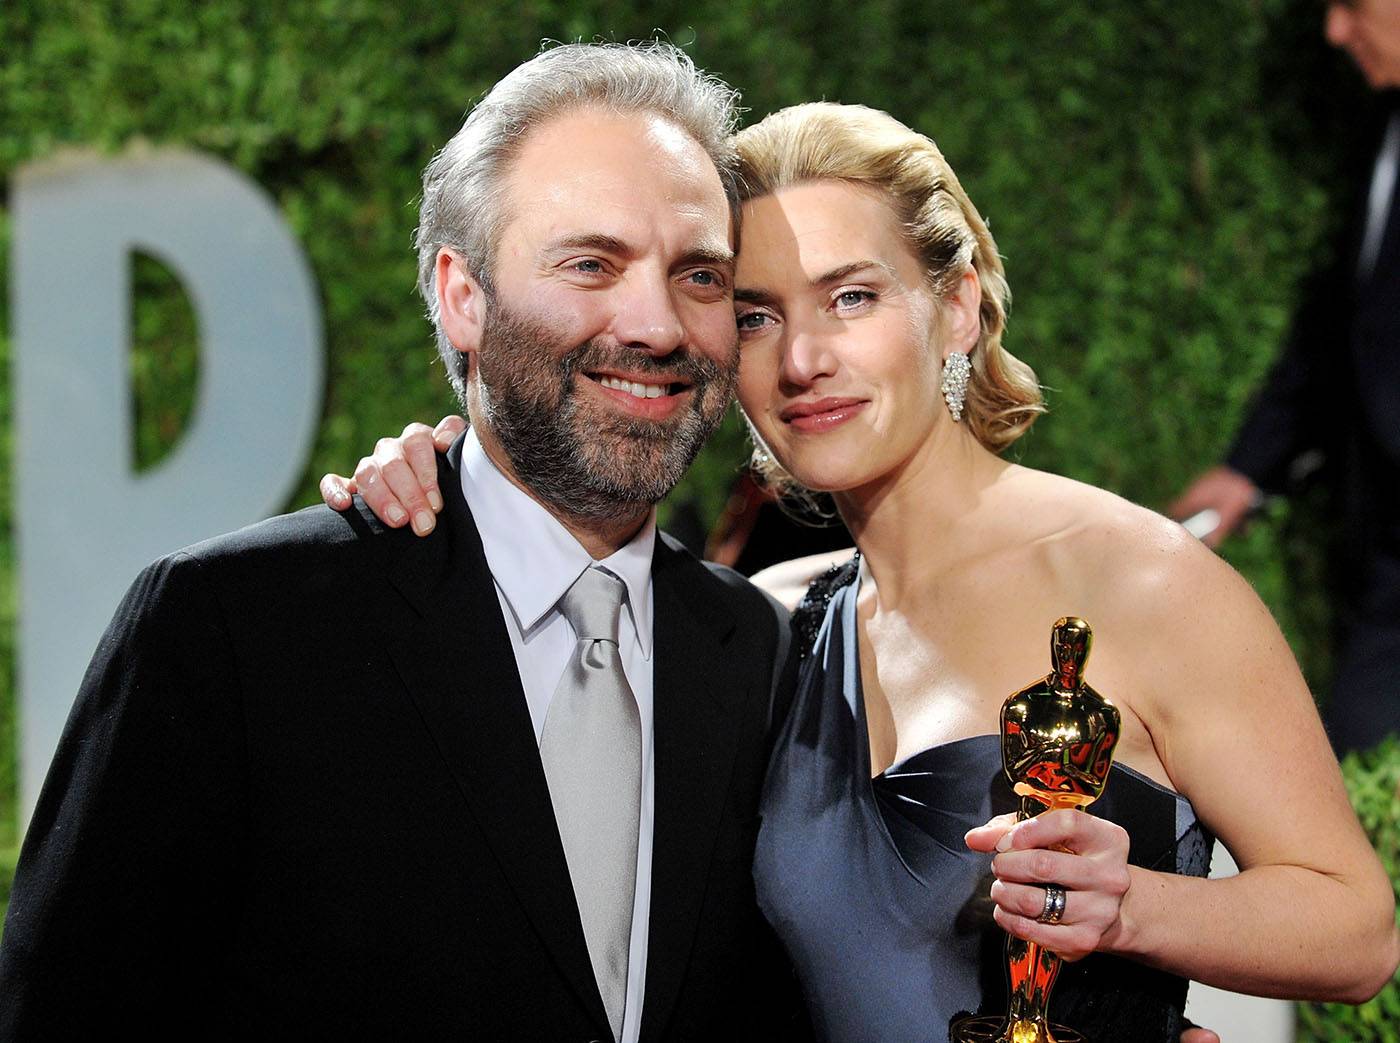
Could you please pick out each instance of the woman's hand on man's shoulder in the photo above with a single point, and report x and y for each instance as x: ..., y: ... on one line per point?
x: 398, y: 482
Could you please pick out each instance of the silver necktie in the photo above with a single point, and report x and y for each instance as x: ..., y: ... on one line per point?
x: 591, y: 747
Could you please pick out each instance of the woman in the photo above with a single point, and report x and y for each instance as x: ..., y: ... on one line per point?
x: 870, y: 302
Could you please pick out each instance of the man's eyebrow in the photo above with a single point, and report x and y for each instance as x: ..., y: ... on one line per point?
x: 611, y: 244
x: 720, y: 256
x: 757, y: 295
x: 590, y: 241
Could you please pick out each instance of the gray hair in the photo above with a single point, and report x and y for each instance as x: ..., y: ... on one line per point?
x: 463, y: 205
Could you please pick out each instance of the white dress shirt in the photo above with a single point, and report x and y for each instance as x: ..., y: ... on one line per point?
x: 1380, y: 197
x: 533, y: 560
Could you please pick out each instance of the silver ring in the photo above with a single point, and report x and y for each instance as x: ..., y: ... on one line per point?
x: 1054, y: 904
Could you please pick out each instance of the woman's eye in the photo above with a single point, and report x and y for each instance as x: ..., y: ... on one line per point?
x: 847, y: 299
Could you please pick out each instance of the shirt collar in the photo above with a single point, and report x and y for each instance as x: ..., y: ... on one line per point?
x: 534, y: 559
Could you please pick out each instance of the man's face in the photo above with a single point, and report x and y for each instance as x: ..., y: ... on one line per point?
x: 1368, y: 30
x: 590, y: 458
x: 608, y: 349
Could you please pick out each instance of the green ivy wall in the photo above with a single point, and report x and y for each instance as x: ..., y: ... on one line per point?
x: 1158, y: 174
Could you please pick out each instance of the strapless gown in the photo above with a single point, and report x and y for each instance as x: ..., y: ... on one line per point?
x: 883, y: 909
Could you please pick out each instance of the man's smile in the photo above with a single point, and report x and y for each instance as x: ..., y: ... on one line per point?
x: 643, y: 396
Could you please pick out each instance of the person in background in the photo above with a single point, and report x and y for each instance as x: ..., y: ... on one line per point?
x: 1334, y: 394
x: 757, y: 530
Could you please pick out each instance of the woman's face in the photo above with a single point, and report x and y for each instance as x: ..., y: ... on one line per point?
x: 838, y: 364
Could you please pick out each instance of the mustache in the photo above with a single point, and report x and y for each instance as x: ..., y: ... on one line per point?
x: 688, y: 367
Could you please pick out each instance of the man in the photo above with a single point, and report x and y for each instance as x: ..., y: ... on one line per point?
x: 1336, y: 391
x: 530, y: 812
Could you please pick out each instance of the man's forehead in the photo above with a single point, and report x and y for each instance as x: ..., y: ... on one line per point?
x: 630, y: 234
x: 626, y: 175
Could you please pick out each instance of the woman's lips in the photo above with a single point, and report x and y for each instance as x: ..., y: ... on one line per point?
x: 822, y: 414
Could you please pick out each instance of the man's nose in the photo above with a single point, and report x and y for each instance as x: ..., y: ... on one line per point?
x: 647, y: 317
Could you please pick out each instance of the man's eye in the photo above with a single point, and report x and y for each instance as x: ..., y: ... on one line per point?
x: 588, y: 266
x: 752, y: 320
x: 706, y: 278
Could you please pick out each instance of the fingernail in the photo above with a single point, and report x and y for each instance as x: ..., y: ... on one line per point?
x: 396, y: 515
x: 1004, y: 844
x: 422, y: 522
x: 340, y: 496
x: 434, y: 499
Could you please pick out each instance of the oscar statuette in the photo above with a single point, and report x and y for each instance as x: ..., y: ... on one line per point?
x: 1057, y: 741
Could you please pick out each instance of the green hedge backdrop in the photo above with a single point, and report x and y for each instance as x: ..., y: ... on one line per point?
x: 1158, y: 174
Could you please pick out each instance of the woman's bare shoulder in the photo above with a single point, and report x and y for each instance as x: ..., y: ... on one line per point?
x: 1133, y: 566
x: 788, y: 580
x: 1099, y: 534
x: 1185, y: 611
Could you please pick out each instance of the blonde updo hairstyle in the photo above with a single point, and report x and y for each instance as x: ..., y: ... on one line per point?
x: 822, y: 141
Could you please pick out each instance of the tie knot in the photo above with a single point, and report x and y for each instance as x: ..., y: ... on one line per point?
x: 593, y: 604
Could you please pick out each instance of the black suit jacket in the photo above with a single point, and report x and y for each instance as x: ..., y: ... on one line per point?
x: 299, y: 795
x: 1333, y: 397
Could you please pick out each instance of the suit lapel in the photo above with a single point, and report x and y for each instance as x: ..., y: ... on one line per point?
x: 462, y: 677
x: 696, y: 702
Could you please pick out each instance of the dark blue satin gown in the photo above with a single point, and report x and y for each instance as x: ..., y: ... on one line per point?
x: 882, y: 907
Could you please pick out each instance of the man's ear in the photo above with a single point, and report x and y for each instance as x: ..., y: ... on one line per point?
x: 962, y: 315
x: 461, y: 301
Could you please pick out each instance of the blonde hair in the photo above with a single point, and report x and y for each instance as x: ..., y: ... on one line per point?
x: 852, y: 143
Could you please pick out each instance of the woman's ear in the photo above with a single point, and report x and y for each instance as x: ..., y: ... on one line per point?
x: 461, y: 301
x: 962, y: 312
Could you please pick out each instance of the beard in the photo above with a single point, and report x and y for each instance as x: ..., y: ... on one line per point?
x: 579, y: 457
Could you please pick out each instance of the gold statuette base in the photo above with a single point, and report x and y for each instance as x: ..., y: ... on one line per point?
x: 996, y: 1029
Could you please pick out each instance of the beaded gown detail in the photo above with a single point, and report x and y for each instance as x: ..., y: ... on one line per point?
x: 881, y: 906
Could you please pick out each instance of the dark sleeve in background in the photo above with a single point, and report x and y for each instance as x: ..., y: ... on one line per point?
x: 1295, y: 412
x: 1303, y: 402
x: 127, y: 884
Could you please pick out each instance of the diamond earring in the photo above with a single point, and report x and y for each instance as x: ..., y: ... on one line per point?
x: 956, y: 368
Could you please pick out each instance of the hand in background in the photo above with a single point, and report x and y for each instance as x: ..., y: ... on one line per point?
x: 1221, y: 489
x: 399, y: 482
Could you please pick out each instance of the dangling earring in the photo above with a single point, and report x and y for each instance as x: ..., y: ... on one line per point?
x: 956, y: 368
x: 760, y: 458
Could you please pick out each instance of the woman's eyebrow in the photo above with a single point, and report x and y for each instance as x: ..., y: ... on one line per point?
x: 758, y: 295
x: 845, y: 271
x: 753, y: 296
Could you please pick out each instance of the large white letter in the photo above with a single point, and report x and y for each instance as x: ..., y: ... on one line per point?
x: 87, y: 522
